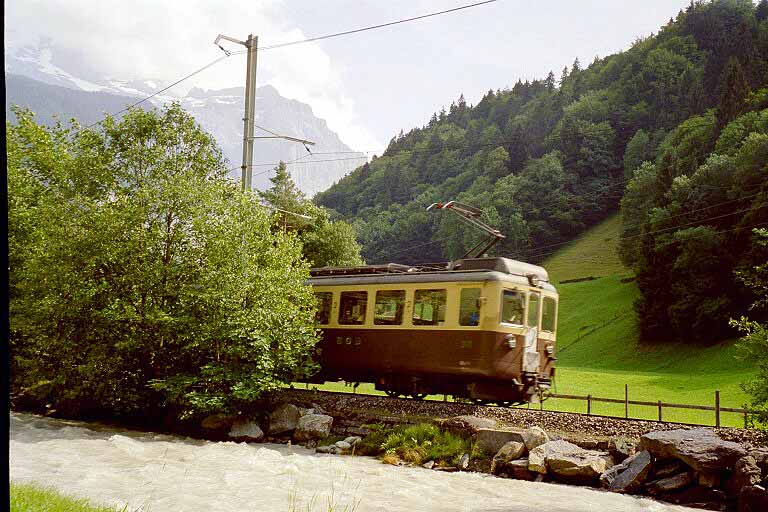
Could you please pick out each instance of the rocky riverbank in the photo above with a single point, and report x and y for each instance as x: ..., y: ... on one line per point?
x: 717, y: 469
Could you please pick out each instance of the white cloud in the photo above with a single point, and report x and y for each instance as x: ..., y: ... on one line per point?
x: 163, y: 41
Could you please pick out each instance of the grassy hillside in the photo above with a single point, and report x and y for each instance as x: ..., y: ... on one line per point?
x: 599, y: 351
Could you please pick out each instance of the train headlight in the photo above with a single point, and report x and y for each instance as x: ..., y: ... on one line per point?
x: 550, y: 349
x: 511, y: 340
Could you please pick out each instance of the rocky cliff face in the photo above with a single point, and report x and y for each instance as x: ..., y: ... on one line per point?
x: 54, y: 94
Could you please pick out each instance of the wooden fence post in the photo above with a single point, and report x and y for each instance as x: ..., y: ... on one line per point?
x: 626, y: 400
x: 589, y: 404
x: 717, y: 408
x: 659, y: 410
x: 746, y: 417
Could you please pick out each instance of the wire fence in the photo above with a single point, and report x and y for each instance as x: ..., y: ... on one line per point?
x: 657, y: 410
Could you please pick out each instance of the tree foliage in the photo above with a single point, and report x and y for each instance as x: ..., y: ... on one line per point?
x: 754, y: 344
x: 324, y: 242
x: 142, y: 277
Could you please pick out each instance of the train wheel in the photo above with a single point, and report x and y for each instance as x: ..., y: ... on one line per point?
x: 418, y: 396
x: 392, y: 393
x: 478, y: 401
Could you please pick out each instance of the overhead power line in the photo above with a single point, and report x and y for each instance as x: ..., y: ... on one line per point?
x: 281, y: 45
x: 372, y: 27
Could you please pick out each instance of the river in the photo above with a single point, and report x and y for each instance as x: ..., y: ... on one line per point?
x: 157, y: 472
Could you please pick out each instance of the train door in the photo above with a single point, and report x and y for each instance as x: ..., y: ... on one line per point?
x: 531, y: 357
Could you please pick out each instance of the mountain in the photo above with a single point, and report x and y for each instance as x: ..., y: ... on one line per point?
x: 51, y: 92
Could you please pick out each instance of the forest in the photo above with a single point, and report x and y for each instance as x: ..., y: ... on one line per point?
x: 672, y: 132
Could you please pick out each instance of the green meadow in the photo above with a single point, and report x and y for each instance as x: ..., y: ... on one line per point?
x: 599, y: 351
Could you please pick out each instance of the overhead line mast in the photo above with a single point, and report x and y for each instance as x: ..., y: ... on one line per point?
x: 249, y: 117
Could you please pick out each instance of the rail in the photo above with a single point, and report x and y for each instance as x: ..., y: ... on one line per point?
x: 717, y: 408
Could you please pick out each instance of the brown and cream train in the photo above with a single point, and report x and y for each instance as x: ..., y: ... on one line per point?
x: 482, y: 329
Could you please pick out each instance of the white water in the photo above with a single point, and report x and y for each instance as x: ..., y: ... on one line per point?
x: 153, y: 472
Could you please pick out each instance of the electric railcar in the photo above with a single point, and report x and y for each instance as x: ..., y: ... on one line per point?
x: 482, y: 328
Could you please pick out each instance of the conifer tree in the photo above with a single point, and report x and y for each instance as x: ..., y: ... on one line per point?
x: 733, y: 89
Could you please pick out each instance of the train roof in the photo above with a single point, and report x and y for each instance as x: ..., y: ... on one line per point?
x: 468, y: 269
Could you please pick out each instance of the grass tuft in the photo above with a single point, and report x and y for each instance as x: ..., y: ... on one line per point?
x: 28, y: 497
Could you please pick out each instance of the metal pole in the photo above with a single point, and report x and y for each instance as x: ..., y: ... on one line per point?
x: 250, y: 112
x: 717, y: 408
x: 626, y: 400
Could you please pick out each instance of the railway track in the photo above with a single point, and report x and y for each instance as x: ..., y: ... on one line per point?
x: 369, y: 408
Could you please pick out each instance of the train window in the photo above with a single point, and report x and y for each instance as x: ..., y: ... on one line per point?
x: 533, y: 310
x: 389, y: 307
x: 429, y: 307
x: 352, y: 308
x: 548, y: 314
x: 469, y: 311
x: 512, y: 307
x: 324, y: 301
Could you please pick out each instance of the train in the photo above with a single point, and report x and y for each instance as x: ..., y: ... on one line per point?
x: 478, y: 328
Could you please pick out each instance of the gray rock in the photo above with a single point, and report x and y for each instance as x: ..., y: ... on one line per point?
x: 533, y: 437
x: 746, y: 473
x: 567, y: 461
x: 343, y: 445
x: 246, y: 430
x: 304, y: 411
x: 621, y: 448
x: 490, y: 441
x: 632, y: 473
x: 518, y: 469
x: 670, y: 484
x: 284, y: 419
x: 328, y: 448
x: 753, y: 498
x: 512, y: 450
x: 217, y: 422
x: 429, y: 464
x: 463, y: 462
x: 313, y: 426
x: 466, y: 426
x: 700, y: 448
x: 353, y: 440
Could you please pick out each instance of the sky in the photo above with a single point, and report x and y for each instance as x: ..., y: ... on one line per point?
x: 367, y: 86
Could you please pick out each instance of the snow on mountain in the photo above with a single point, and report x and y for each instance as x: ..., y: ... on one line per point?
x: 35, y: 82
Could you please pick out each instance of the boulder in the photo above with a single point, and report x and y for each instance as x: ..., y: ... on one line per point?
x: 313, y: 426
x: 533, y: 437
x: 745, y: 474
x: 490, y: 441
x: 466, y: 426
x: 753, y: 498
x: 284, y: 419
x: 629, y: 476
x: 621, y: 447
x: 343, y: 445
x: 671, y: 483
x: 463, y: 464
x: 428, y: 465
x: 246, y: 430
x: 506, y: 454
x: 700, y: 448
x: 518, y: 469
x: 761, y: 458
x: 328, y: 448
x: 217, y: 422
x: 567, y: 462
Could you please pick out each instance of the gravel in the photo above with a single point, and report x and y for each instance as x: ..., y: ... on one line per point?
x: 371, y: 409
